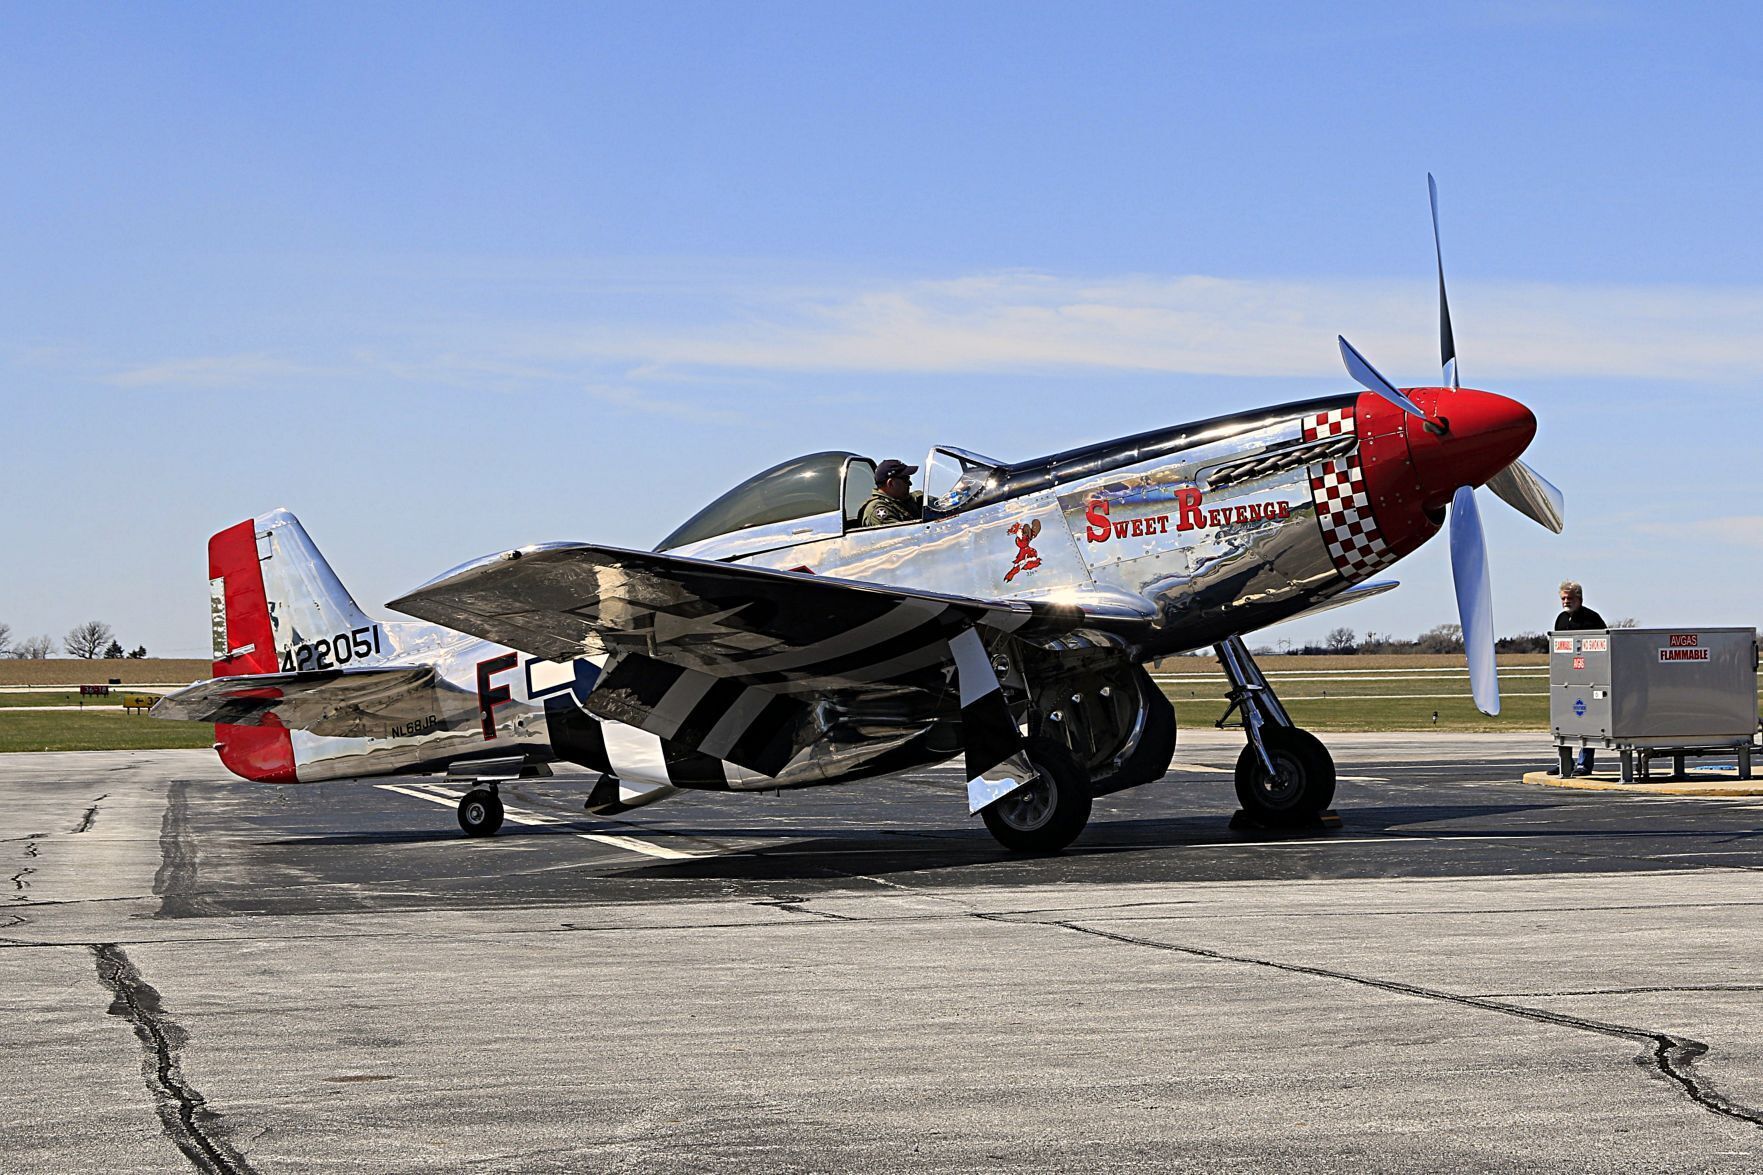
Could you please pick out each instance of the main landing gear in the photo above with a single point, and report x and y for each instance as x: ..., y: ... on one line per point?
x: 1049, y: 813
x: 1285, y: 777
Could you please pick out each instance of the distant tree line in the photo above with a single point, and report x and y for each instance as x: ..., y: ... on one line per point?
x: 1443, y: 638
x: 87, y: 641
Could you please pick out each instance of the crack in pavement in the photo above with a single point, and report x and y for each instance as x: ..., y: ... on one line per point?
x: 1660, y: 989
x: 1672, y: 1057
x: 85, y: 824
x: 19, y: 884
x: 800, y: 906
x: 1206, y: 910
x: 183, y: 1112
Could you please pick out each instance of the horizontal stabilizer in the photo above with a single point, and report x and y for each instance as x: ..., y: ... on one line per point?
x: 376, y: 702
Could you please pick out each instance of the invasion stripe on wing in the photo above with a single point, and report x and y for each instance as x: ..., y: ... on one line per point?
x: 904, y: 616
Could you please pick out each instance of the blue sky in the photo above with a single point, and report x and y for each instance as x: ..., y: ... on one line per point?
x: 443, y: 279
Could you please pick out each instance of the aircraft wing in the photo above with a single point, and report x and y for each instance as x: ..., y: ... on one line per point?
x: 339, y: 702
x: 776, y: 628
x: 728, y: 659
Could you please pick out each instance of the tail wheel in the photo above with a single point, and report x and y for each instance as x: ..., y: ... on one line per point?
x: 1049, y: 813
x: 480, y: 812
x: 1301, y: 786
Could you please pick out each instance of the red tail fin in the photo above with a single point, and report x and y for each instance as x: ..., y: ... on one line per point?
x: 244, y: 642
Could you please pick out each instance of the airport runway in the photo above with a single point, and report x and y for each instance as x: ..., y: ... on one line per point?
x: 1471, y: 973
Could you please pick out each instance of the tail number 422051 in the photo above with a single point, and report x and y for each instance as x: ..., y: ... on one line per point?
x: 330, y: 652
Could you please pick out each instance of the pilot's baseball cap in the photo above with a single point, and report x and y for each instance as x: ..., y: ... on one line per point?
x: 893, y: 467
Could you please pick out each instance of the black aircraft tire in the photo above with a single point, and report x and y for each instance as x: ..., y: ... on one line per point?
x: 1049, y: 813
x: 1303, y: 787
x: 480, y: 812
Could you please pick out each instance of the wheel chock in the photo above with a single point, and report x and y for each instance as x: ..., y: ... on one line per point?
x: 1327, y: 821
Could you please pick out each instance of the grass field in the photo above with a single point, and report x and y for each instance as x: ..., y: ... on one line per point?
x: 1322, y: 694
x: 1395, y: 694
x: 9, y: 699
x: 96, y: 730
x: 1383, y: 697
x: 73, y: 671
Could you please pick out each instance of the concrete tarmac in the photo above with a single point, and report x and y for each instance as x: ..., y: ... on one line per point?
x: 1470, y: 974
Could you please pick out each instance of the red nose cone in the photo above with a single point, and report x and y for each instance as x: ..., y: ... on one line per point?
x: 1483, y: 434
x: 1410, y: 473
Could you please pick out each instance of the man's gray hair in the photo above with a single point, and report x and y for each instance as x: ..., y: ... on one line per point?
x: 1572, y: 588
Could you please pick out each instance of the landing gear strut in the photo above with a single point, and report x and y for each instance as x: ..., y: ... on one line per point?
x: 480, y: 811
x: 1285, y: 777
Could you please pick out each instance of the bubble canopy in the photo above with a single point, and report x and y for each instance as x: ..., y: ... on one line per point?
x: 801, y: 487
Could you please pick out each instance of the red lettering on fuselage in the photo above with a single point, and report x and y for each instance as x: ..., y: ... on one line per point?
x: 490, y: 696
x: 1096, y: 514
x: 1187, y: 509
x: 1189, y: 515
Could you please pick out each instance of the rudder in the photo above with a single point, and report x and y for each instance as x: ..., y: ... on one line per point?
x: 277, y: 606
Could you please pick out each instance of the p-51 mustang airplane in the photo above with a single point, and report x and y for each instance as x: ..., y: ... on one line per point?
x: 770, y: 643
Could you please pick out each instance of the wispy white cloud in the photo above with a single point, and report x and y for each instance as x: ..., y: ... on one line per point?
x: 1199, y: 325
x: 636, y: 399
x: 209, y: 372
x: 1021, y: 322
x: 1736, y: 530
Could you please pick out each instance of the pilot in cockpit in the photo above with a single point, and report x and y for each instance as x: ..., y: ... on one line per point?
x: 893, y: 500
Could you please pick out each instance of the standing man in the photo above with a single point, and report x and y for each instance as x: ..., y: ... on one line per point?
x: 892, y: 500
x: 1575, y: 616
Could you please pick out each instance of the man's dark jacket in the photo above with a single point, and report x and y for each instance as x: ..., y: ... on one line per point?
x: 1576, y: 619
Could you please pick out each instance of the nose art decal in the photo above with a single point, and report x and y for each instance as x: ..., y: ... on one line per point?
x: 1343, y: 509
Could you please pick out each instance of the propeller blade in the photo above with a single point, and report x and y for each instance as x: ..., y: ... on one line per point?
x: 1371, y: 381
x: 1475, y: 599
x: 1447, y: 341
x: 1529, y: 493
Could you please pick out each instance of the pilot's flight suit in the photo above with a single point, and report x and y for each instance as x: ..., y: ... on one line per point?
x: 883, y: 508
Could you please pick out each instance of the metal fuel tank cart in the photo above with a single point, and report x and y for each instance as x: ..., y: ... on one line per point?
x: 1648, y: 692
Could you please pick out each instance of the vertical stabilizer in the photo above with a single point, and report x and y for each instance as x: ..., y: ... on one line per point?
x: 277, y: 607
x: 273, y: 590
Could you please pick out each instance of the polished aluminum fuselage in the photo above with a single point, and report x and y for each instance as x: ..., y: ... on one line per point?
x: 1208, y: 530
x: 1253, y: 556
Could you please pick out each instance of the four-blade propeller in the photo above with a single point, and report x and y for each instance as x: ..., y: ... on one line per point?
x: 1518, y: 485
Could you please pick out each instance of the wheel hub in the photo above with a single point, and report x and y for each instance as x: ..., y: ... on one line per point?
x: 1027, y: 808
x: 1285, y: 785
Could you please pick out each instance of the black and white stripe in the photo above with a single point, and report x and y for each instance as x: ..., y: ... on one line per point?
x: 716, y: 718
x: 754, y: 712
x: 996, y: 764
x: 634, y: 755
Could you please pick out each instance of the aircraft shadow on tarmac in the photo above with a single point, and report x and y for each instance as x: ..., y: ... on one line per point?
x: 1474, y: 837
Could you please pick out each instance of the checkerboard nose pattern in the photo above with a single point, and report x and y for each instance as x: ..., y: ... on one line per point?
x: 1343, y: 509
